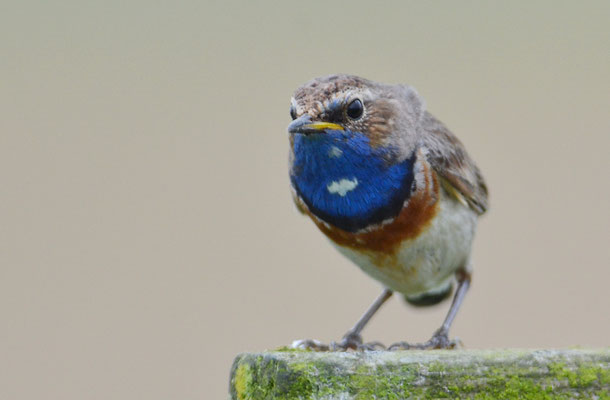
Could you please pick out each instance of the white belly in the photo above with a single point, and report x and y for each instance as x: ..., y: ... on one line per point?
x: 428, y: 262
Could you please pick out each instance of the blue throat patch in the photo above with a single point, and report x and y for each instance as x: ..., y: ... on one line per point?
x: 346, y: 182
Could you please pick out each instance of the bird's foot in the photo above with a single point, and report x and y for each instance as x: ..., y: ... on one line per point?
x: 349, y: 342
x: 440, y: 340
x: 353, y: 341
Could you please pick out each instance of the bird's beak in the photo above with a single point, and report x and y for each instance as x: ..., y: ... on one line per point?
x: 304, y: 125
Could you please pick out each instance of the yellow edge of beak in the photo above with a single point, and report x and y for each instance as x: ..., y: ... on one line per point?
x: 320, y: 126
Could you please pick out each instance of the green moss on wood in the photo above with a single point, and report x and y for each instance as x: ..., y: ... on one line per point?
x: 504, y: 374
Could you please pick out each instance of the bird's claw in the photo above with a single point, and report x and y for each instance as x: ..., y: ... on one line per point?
x: 440, y: 340
x: 352, y: 341
x: 349, y: 342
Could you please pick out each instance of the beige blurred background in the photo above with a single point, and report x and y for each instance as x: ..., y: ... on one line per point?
x: 147, y: 232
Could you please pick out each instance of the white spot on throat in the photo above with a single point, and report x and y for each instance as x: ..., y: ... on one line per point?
x: 335, y: 152
x: 342, y: 187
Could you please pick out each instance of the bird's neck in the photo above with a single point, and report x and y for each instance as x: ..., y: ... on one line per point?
x: 346, y: 182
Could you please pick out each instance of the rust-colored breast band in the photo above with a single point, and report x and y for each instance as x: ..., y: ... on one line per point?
x: 419, y: 211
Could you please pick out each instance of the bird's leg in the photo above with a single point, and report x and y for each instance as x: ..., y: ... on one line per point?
x: 352, y: 339
x: 440, y: 339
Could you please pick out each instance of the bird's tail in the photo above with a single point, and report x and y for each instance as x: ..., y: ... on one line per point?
x: 430, y: 298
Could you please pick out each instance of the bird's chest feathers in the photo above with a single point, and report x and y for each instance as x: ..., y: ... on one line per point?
x: 346, y: 182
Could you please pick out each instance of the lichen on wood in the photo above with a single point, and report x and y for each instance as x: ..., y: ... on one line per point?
x: 472, y: 374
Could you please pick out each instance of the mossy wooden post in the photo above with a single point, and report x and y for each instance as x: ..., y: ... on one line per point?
x: 479, y: 374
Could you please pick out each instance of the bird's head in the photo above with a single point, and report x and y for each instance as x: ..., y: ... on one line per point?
x: 387, y: 115
x: 353, y: 147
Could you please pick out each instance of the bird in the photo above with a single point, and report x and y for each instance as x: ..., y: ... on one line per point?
x: 392, y: 188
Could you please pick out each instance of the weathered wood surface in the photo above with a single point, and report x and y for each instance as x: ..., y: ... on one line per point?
x: 479, y: 374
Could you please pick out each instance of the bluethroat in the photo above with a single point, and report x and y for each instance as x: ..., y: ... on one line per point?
x: 392, y: 188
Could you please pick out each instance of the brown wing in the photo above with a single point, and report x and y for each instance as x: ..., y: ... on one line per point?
x: 449, y: 159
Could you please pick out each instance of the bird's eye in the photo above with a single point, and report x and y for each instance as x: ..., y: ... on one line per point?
x: 355, y: 109
x: 293, y: 113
